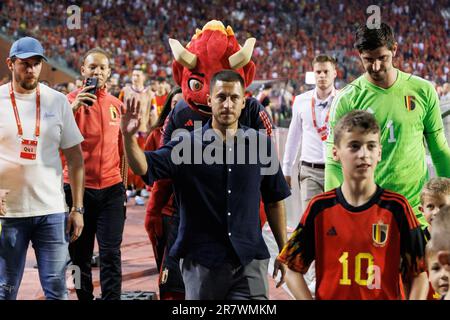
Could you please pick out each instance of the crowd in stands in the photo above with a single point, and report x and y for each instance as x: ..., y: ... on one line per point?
x: 289, y: 33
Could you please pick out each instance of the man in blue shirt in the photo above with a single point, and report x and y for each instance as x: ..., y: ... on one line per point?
x: 219, y: 174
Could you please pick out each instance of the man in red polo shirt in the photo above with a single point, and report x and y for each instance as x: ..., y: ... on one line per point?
x: 98, y: 118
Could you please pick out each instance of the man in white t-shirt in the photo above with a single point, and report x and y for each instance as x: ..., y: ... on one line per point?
x: 36, y: 122
x: 309, y: 128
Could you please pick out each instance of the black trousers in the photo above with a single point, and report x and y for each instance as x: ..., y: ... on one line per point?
x: 104, y: 218
x: 171, y: 284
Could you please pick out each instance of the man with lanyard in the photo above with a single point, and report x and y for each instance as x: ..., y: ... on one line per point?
x: 35, y: 123
x: 308, y: 127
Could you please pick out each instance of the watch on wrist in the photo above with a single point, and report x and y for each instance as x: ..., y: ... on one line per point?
x: 80, y: 210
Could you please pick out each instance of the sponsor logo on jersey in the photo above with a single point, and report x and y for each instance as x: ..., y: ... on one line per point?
x: 379, y: 234
x: 189, y: 123
x: 410, y: 103
x: 48, y: 115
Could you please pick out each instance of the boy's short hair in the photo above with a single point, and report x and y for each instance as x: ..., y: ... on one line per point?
x: 439, y: 186
x: 441, y: 229
x: 324, y: 58
x: 367, y: 39
x: 355, y: 119
x: 429, y: 250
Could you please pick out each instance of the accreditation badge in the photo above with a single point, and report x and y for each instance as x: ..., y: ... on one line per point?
x: 323, y: 132
x: 28, y: 149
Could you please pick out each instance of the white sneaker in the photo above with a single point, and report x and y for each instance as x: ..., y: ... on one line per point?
x: 144, y: 193
x: 131, y: 193
x: 139, y: 201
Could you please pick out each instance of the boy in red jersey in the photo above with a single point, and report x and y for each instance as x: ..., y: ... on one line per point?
x: 361, y: 236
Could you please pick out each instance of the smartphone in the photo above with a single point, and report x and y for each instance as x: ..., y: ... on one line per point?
x: 91, y: 82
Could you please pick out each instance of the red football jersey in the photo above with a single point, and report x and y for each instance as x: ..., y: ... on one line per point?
x: 360, y: 252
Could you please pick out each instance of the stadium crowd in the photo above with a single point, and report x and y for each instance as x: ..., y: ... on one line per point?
x: 289, y: 33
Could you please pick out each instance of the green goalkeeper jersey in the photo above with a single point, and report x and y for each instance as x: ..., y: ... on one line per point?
x: 406, y: 112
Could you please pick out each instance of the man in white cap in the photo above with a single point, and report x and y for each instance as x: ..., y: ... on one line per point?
x: 35, y: 123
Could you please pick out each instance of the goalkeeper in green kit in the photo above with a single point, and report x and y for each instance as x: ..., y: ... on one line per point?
x: 407, y: 110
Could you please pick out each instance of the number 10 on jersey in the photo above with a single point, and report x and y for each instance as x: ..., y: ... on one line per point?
x: 345, y: 279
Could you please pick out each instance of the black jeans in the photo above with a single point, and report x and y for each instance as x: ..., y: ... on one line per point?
x: 104, y: 217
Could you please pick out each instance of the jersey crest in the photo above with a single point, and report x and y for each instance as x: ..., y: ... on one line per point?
x: 410, y: 103
x: 380, y: 234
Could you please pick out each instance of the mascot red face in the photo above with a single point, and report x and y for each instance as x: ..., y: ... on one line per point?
x: 212, y: 49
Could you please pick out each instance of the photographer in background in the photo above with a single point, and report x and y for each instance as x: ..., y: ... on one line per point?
x: 97, y: 114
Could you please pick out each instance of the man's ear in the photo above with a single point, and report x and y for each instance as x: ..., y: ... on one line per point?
x: 83, y: 70
x: 394, y: 49
x: 208, y: 100
x: 9, y: 63
x: 335, y: 154
x: 243, y: 100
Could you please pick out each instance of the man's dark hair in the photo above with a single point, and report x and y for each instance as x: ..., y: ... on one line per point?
x: 226, y: 76
x: 160, y: 79
x: 324, y: 58
x: 370, y: 39
x: 267, y: 86
x: 97, y: 50
x: 355, y: 119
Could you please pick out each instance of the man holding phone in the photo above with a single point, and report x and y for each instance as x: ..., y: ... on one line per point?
x: 97, y: 114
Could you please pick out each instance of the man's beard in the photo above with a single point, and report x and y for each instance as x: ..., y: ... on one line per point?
x: 27, y: 85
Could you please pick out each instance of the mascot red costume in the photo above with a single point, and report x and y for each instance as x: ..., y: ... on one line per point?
x: 212, y: 49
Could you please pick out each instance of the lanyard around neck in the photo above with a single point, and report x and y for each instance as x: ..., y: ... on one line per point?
x: 37, y: 129
x: 324, y: 127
